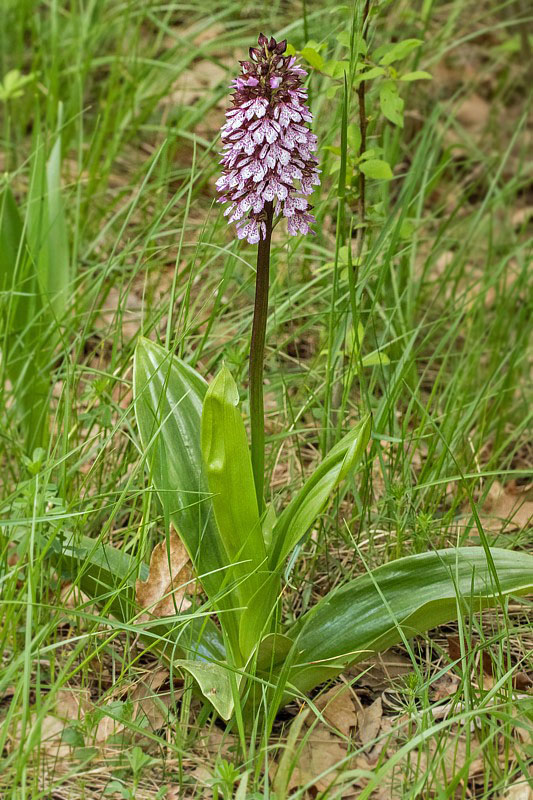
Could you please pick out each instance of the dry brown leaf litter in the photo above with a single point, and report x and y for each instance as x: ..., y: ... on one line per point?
x: 338, y: 709
x: 508, y: 507
x: 152, y: 704
x: 520, y: 790
x: 316, y: 760
x: 320, y: 755
x: 164, y: 593
x: 378, y: 672
x: 369, y: 720
x: 70, y: 706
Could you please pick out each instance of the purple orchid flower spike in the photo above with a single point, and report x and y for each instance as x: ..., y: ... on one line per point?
x: 268, y: 148
x: 267, y: 145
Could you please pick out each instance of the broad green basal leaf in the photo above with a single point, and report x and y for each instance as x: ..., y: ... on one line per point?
x: 168, y: 404
x: 230, y: 479
x: 273, y: 649
x: 410, y: 595
x: 215, y: 683
x: 23, y: 321
x: 47, y: 228
x: 260, y: 614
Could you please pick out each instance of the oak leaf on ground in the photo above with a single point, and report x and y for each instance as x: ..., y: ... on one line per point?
x: 164, y: 592
x: 370, y: 721
x: 317, y: 758
x: 338, y: 709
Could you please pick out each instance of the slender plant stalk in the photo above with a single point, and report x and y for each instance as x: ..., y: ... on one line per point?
x: 257, y: 355
x: 333, y: 397
x: 349, y: 369
x: 354, y: 269
x: 361, y: 96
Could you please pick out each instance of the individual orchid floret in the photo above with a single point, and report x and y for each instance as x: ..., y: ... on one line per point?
x: 268, y: 149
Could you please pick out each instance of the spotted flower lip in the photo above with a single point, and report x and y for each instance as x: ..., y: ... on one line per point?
x: 267, y: 154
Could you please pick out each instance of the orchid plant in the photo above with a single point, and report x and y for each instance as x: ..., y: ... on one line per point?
x: 210, y: 483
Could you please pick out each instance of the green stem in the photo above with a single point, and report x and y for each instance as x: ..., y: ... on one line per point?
x: 257, y: 354
x: 361, y: 92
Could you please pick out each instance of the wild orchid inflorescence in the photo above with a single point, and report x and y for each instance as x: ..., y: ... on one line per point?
x: 267, y: 146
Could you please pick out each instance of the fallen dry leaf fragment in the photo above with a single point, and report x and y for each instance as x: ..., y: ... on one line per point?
x: 163, y: 594
x: 149, y: 703
x: 75, y: 600
x: 72, y: 703
x: 454, y: 648
x: 446, y: 686
x: 108, y: 725
x: 381, y: 670
x: 508, y: 507
x: 522, y: 216
x: 520, y: 790
x: 8, y: 693
x: 315, y: 758
x: 203, y: 782
x: 73, y: 597
x: 51, y: 734
x: 455, y: 755
x: 216, y: 743
x: 523, y: 734
x: 338, y: 709
x: 320, y: 752
x: 442, y: 263
x: 522, y: 681
x: 70, y: 706
x: 370, y: 721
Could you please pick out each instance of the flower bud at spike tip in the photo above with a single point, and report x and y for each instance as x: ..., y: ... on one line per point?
x: 268, y: 149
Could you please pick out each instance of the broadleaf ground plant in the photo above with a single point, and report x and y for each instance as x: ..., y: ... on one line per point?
x: 210, y: 483
x: 35, y: 278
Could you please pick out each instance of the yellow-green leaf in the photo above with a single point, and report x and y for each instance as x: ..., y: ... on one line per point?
x: 336, y: 69
x: 399, y: 50
x: 377, y: 169
x: 312, y: 57
x: 391, y: 103
x: 228, y: 466
x: 417, y: 75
